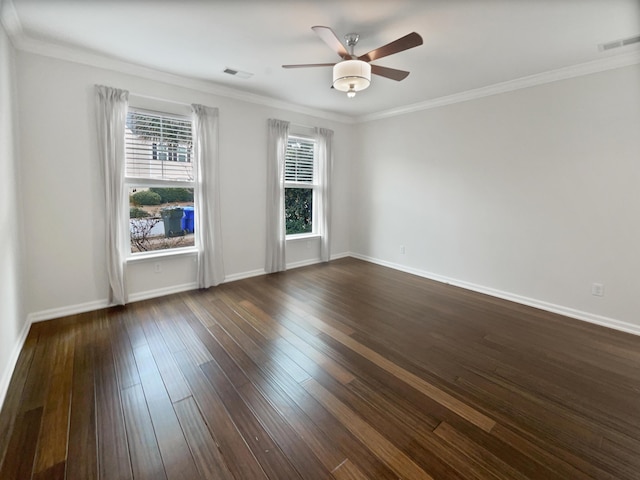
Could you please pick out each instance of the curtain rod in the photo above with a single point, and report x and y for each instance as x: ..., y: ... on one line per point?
x: 293, y: 124
x: 148, y: 97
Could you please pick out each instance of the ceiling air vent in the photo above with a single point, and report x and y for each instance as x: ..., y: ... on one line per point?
x: 237, y: 73
x: 619, y: 43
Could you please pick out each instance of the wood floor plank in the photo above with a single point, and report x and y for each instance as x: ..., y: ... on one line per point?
x: 181, y: 328
x: 403, y: 429
x: 239, y: 457
x: 376, y: 442
x: 82, y: 454
x: 176, y: 456
x: 267, y: 452
x: 431, y: 391
x: 332, y: 367
x: 277, y: 410
x: 348, y: 471
x: 566, y: 465
x: 303, y: 354
x: 298, y: 303
x: 21, y: 449
x: 626, y: 452
x: 55, y: 472
x: 146, y: 460
x: 497, y: 467
x: 37, y: 382
x: 132, y: 327
x: 123, y: 350
x: 52, y: 442
x: 566, y: 425
x: 543, y: 455
x: 113, y: 448
x: 253, y: 339
x: 209, y: 460
x: 169, y: 371
x: 11, y: 406
x: 303, y: 451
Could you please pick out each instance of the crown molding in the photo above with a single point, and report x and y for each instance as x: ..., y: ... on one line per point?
x: 587, y: 68
x: 10, y: 20
x: 28, y: 44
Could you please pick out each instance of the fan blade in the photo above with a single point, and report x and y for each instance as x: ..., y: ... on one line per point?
x: 391, y: 73
x: 306, y: 65
x: 329, y: 37
x: 399, y: 45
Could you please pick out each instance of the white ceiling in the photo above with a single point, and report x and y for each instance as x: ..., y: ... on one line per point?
x: 468, y: 44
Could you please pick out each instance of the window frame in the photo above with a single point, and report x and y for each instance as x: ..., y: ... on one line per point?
x: 145, y: 182
x: 314, y: 187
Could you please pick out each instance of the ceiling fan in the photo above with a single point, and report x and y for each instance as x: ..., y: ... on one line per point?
x: 353, y: 73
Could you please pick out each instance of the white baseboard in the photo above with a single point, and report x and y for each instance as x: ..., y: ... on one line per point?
x: 241, y: 276
x: 52, y: 313
x: 161, y: 292
x: 315, y: 261
x: 13, y: 360
x: 531, y: 302
x: 303, y: 263
x: 542, y: 305
x: 338, y: 256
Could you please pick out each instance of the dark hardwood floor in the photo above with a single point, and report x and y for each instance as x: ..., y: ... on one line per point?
x: 346, y: 370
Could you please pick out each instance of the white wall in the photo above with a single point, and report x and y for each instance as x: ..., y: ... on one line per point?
x: 529, y: 194
x: 532, y: 194
x: 12, y: 316
x: 63, y: 194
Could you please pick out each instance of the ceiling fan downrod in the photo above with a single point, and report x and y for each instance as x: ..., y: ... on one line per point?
x: 351, y: 40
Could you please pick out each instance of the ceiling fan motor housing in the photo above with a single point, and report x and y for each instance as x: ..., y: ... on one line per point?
x: 351, y: 75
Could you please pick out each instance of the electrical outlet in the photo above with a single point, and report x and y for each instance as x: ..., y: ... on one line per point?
x: 597, y: 289
x: 402, y: 250
x: 157, y: 267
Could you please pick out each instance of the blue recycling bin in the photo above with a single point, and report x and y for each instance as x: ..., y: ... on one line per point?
x: 187, y: 220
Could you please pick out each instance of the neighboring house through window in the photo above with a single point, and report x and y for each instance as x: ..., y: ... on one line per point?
x: 301, y: 183
x: 159, y: 177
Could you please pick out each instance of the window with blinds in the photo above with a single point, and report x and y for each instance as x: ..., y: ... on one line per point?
x: 158, y: 146
x: 299, y: 161
x: 300, y: 182
x: 159, y: 176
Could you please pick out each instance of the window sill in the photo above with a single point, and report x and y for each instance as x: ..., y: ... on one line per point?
x: 176, y: 252
x: 303, y: 236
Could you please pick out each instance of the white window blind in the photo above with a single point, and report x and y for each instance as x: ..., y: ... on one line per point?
x: 299, y: 158
x: 158, y: 146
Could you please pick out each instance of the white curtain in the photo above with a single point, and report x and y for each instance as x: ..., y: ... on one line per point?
x: 324, y: 138
x: 111, y: 118
x: 278, y: 133
x: 207, y: 211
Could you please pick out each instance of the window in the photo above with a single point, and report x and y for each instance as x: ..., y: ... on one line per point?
x: 301, y: 182
x: 159, y: 177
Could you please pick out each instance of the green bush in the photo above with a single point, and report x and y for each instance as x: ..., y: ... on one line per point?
x: 172, y: 195
x: 146, y: 197
x: 135, y: 212
x: 298, y: 210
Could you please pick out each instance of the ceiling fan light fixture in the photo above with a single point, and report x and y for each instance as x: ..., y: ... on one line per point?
x: 351, y: 76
